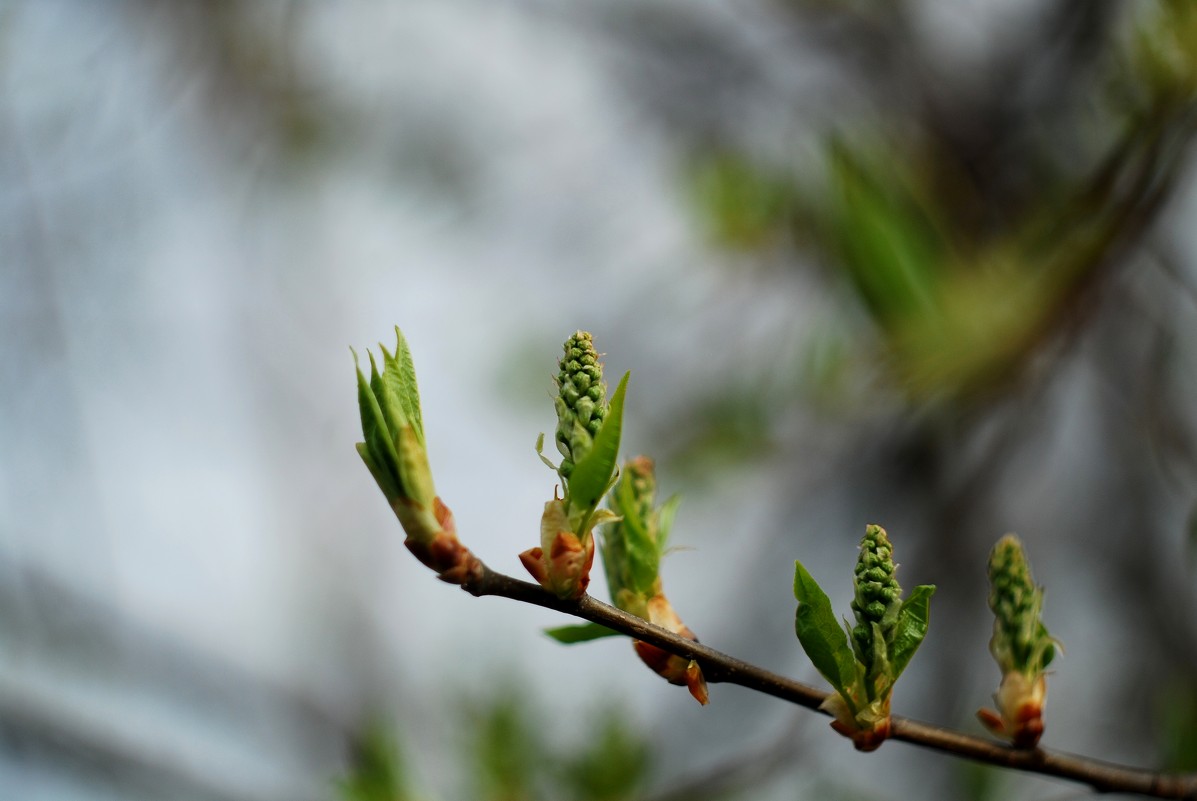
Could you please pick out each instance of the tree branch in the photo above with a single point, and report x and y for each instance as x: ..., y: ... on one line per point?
x: 720, y: 667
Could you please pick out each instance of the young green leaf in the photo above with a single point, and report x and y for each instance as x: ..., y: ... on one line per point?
x: 392, y: 412
x: 378, y: 439
x: 384, y: 480
x: 583, y: 632
x: 665, y: 521
x: 911, y: 628
x: 592, y: 474
x: 641, y: 554
x: 408, y: 394
x: 820, y: 633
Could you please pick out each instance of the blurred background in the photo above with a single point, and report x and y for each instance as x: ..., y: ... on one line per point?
x: 923, y: 263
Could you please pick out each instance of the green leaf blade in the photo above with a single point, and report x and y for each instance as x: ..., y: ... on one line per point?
x: 592, y: 474
x: 379, y: 441
x: 665, y: 520
x: 408, y: 393
x: 911, y: 628
x: 639, y: 549
x: 820, y: 634
x: 584, y: 632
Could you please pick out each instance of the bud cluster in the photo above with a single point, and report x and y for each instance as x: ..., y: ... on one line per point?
x: 877, y: 598
x: 632, y: 547
x: 581, y: 400
x: 1020, y: 645
x: 588, y: 432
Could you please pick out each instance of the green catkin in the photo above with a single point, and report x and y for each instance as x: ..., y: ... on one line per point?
x: 581, y: 400
x: 1020, y: 645
x: 1020, y: 641
x: 878, y: 595
x: 622, y: 564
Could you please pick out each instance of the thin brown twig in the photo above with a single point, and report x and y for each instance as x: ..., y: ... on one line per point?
x: 720, y: 667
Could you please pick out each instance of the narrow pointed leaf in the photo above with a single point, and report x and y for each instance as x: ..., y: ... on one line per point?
x: 665, y: 521
x: 385, y: 481
x: 592, y: 474
x: 912, y: 627
x: 585, y: 632
x: 385, y: 394
x: 639, y: 547
x: 820, y: 633
x: 378, y: 437
x: 409, y: 393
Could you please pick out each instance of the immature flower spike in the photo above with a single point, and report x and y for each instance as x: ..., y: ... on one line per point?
x: 1020, y: 640
x: 632, y: 544
x: 581, y: 400
x: 1020, y: 645
x: 588, y: 433
x: 863, y: 662
x: 877, y: 599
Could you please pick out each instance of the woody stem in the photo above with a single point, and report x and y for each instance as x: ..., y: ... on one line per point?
x: 720, y: 667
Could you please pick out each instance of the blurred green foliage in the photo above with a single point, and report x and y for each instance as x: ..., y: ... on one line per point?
x: 377, y: 772
x: 612, y: 766
x: 509, y: 753
x: 962, y: 293
x: 506, y: 749
x: 1177, y: 704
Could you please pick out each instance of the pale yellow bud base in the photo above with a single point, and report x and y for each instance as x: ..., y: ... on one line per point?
x: 867, y: 729
x: 1019, y: 718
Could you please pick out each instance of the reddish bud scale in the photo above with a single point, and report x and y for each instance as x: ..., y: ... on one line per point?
x: 864, y: 739
x: 674, y: 669
x: 444, y: 553
x: 566, y: 573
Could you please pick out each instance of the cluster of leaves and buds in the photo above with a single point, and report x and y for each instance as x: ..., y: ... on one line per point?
x: 632, y: 549
x: 863, y: 661
x: 394, y: 453
x: 632, y: 545
x: 588, y: 433
x: 1020, y: 645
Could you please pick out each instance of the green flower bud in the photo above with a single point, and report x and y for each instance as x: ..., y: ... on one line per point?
x: 1020, y: 640
x: 863, y: 663
x: 581, y: 400
x: 632, y: 546
x: 877, y: 600
x: 588, y: 433
x: 1020, y: 645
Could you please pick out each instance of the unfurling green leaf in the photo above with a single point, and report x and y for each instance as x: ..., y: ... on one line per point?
x: 820, y: 633
x: 632, y: 548
x: 911, y: 628
x: 583, y: 632
x: 401, y: 372
x: 394, y: 453
x: 665, y: 521
x: 591, y: 476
